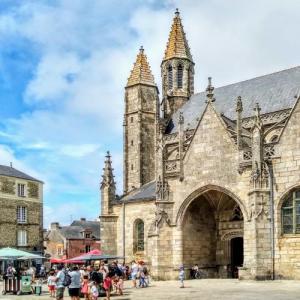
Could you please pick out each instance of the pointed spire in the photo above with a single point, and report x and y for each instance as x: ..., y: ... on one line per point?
x: 239, y: 104
x: 210, y: 91
x: 258, y: 121
x: 108, y: 177
x: 141, y: 72
x: 177, y: 45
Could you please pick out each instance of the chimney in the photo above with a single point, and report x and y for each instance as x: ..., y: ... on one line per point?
x: 82, y: 219
x: 54, y: 226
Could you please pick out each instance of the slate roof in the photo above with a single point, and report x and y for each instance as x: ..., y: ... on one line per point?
x: 146, y: 192
x: 74, y: 231
x: 273, y: 92
x: 12, y: 172
x: 93, y: 225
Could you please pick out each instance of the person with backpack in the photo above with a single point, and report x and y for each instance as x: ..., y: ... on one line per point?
x: 60, y: 280
x: 75, y: 285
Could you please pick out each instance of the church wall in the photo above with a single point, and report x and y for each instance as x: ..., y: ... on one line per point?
x: 287, y: 177
x: 144, y: 210
x: 212, y: 159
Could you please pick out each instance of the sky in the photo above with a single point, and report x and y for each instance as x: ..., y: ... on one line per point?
x: 64, y: 65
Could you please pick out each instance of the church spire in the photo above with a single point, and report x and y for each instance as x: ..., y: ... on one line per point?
x: 177, y: 46
x: 141, y: 72
x: 108, y: 177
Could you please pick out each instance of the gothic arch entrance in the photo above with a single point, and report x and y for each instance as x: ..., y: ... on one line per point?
x: 212, y: 232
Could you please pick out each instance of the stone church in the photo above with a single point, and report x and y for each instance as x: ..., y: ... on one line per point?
x: 210, y: 178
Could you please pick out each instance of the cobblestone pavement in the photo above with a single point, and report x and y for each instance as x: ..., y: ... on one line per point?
x: 205, y: 289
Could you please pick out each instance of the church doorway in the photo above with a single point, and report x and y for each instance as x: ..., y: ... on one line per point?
x: 237, y: 255
x: 212, y: 232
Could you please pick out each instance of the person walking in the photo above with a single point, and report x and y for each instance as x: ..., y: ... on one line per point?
x: 134, y: 272
x: 60, y: 279
x: 181, y: 276
x: 74, y: 287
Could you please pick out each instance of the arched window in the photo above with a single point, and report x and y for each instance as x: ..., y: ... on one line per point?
x: 179, y: 76
x: 138, y: 236
x: 170, y: 77
x: 290, y: 213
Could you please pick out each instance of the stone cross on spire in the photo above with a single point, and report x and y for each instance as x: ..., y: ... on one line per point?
x: 108, y: 177
x: 210, y: 91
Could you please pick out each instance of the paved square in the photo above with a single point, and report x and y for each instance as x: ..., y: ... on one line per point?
x: 205, y: 289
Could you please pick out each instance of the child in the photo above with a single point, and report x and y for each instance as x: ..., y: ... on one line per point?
x: 94, y: 291
x: 51, y: 283
x: 142, y: 282
x: 181, y: 276
x: 107, y: 285
x: 120, y: 286
x: 85, y: 287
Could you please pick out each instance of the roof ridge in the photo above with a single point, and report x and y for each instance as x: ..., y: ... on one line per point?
x: 261, y: 76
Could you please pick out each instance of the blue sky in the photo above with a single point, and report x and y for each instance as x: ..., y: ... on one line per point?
x: 64, y: 64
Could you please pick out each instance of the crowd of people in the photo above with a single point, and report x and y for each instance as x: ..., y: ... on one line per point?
x: 96, y: 280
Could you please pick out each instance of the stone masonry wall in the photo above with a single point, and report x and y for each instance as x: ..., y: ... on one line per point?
x: 287, y: 177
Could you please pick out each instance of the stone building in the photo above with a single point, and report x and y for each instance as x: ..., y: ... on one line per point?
x: 63, y: 242
x: 211, y: 178
x: 21, y: 217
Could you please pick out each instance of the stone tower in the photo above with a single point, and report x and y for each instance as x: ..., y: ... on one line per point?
x: 141, y: 109
x: 177, y: 69
x: 108, y: 221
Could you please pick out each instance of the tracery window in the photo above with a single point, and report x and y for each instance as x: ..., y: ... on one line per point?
x: 170, y: 77
x: 290, y: 213
x: 179, y: 76
x: 139, y: 243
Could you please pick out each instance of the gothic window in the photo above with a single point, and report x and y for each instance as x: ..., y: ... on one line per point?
x: 179, y: 76
x: 237, y: 214
x: 131, y: 167
x: 131, y: 119
x: 138, y: 243
x: 290, y: 213
x: 170, y: 77
x: 131, y: 142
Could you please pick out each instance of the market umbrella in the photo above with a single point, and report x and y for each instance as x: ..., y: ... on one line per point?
x: 92, y: 255
x: 56, y: 261
x: 31, y: 256
x: 14, y: 253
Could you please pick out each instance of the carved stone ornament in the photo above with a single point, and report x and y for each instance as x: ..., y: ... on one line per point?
x: 33, y: 190
x: 260, y: 176
x: 259, y: 209
x: 162, y: 190
x: 7, y: 186
x: 161, y: 217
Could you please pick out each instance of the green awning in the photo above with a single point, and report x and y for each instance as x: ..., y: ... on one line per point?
x: 15, y: 253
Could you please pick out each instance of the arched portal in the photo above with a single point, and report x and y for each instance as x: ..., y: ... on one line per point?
x: 212, y: 232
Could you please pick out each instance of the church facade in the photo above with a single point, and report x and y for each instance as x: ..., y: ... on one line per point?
x: 210, y: 178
